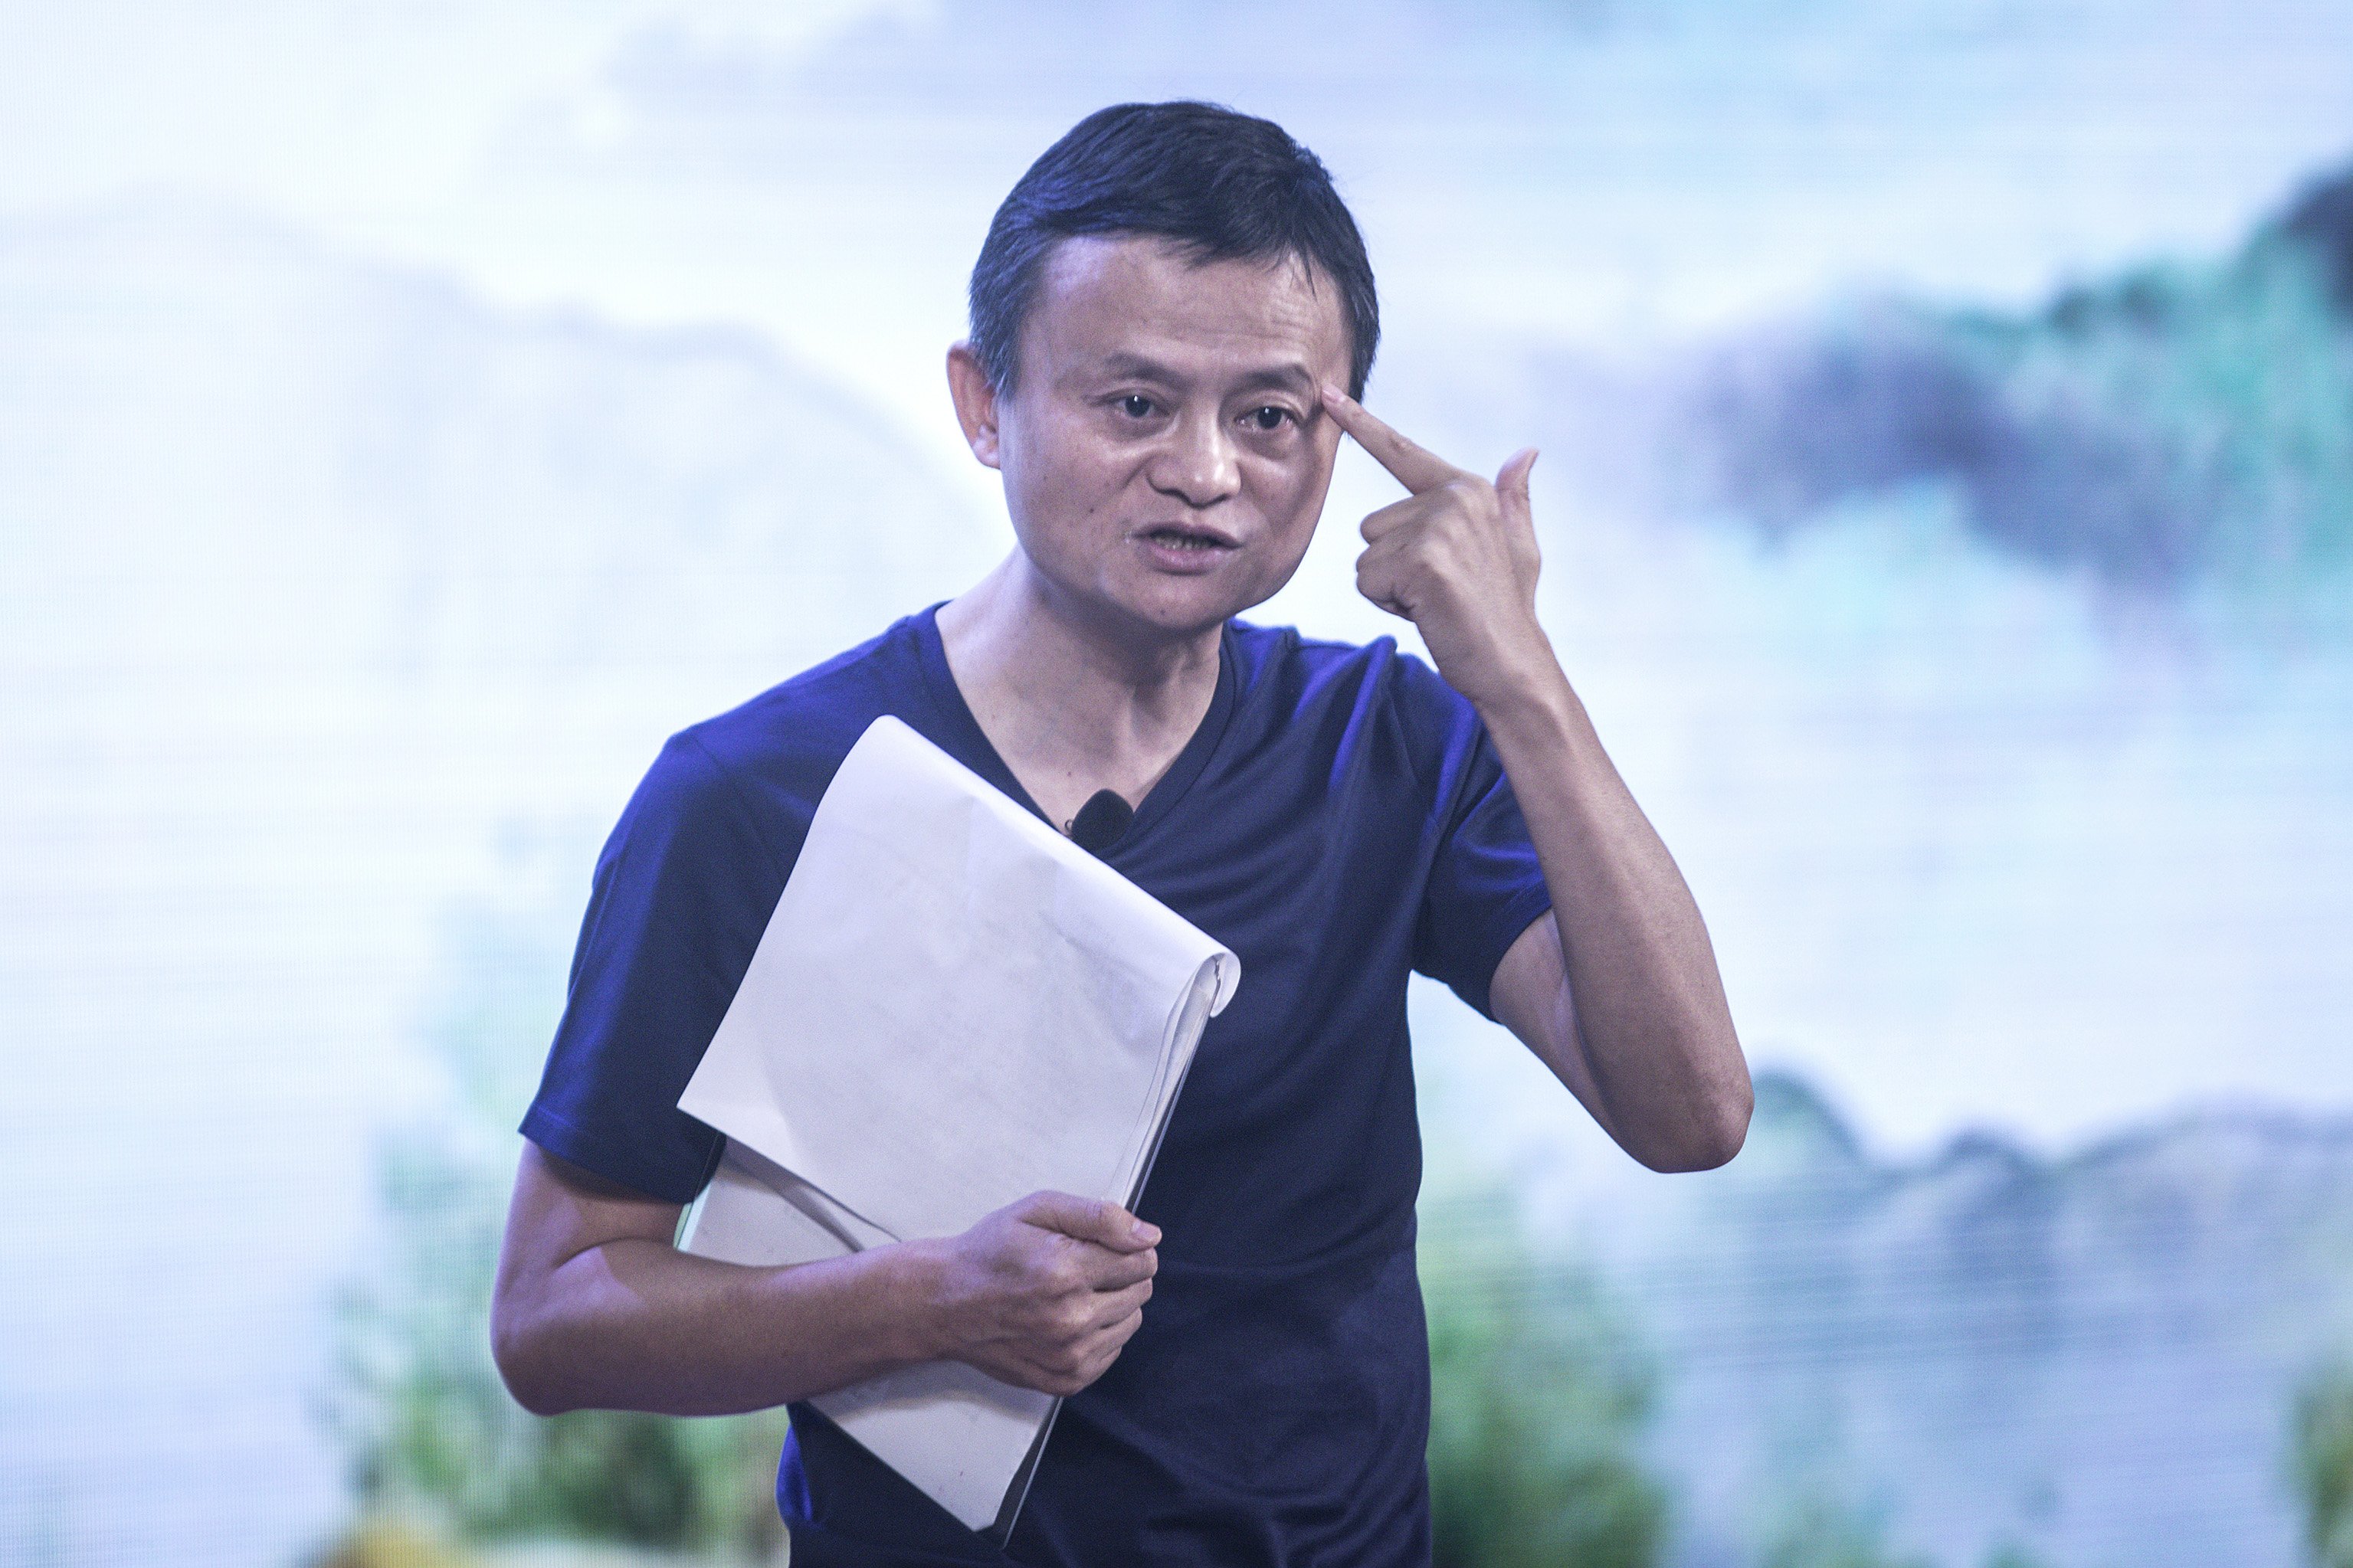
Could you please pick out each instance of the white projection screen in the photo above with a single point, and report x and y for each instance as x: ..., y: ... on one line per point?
x: 411, y: 417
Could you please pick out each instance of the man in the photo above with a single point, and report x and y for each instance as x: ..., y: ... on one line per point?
x: 1173, y: 317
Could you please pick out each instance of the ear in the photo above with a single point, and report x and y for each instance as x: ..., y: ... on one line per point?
x: 976, y: 402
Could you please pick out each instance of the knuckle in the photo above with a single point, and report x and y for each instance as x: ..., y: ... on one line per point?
x: 1473, y: 495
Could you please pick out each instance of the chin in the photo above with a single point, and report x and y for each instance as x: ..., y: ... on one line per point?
x: 1186, y: 608
x: 1162, y: 605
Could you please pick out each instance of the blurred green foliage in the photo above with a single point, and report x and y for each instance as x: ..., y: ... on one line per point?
x: 1537, y: 1399
x: 427, y: 1426
x: 2323, y: 1459
x: 1818, y: 1535
x: 2014, y: 1556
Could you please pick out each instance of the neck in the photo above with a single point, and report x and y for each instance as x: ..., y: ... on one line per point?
x: 1072, y: 700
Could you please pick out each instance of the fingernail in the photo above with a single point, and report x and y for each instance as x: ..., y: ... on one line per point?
x: 1146, y: 1232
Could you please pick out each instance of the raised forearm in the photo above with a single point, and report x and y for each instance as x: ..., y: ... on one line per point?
x: 1642, y: 1019
x: 1632, y: 1016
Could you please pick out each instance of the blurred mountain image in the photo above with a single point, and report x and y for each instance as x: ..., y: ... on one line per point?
x: 2184, y: 426
x: 2091, y: 1359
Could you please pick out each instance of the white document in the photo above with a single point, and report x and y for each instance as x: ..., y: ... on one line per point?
x: 953, y: 1006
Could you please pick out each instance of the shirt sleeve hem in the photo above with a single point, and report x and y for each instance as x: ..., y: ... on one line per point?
x: 1527, y: 907
x: 569, y: 1143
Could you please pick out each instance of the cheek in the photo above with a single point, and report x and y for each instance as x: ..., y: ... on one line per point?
x: 1291, y: 489
x: 1063, y: 466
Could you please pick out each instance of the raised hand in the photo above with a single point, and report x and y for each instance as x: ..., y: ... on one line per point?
x: 1044, y: 1292
x: 1457, y: 557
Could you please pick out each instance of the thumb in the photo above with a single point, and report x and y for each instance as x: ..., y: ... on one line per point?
x: 1098, y: 1220
x: 1512, y: 481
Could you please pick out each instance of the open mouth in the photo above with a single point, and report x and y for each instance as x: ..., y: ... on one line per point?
x: 1177, y: 536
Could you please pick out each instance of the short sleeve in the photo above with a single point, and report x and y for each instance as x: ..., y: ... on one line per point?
x: 1484, y: 887
x: 682, y: 890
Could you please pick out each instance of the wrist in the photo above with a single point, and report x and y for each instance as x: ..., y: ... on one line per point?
x: 913, y: 1280
x: 1530, y: 688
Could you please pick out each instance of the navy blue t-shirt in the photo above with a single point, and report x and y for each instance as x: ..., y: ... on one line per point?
x: 1339, y: 819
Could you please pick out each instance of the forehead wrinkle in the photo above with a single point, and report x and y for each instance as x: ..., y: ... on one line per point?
x: 1291, y: 377
x: 1200, y: 312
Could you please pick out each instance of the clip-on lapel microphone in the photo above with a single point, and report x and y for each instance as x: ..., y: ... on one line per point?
x: 1100, y: 821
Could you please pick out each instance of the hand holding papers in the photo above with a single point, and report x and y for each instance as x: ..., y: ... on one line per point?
x: 953, y: 1006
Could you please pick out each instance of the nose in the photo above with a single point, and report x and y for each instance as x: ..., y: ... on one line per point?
x: 1198, y: 463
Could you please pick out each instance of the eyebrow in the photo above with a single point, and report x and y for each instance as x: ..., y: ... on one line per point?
x: 1288, y: 377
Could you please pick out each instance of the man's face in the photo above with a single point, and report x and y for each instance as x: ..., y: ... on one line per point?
x: 1165, y: 451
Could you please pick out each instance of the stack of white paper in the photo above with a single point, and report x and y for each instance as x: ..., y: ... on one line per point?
x: 953, y: 1006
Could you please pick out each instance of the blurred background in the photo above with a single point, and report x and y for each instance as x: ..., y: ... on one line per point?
x: 409, y: 416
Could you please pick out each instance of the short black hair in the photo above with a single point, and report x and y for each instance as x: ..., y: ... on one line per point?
x: 1223, y: 186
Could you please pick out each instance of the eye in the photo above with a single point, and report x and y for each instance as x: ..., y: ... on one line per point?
x: 1268, y: 418
x: 1136, y: 406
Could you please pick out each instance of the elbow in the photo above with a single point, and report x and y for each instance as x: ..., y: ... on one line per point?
x: 523, y: 1364
x: 1714, y: 1147
x: 1715, y: 1131
x: 529, y: 1386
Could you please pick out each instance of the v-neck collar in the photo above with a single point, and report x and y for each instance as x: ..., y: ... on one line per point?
x: 1157, y: 802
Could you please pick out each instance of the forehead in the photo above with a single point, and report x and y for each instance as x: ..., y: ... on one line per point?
x: 1107, y: 301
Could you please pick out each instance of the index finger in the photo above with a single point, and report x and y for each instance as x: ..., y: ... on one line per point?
x: 1417, y: 467
x: 1108, y: 1271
